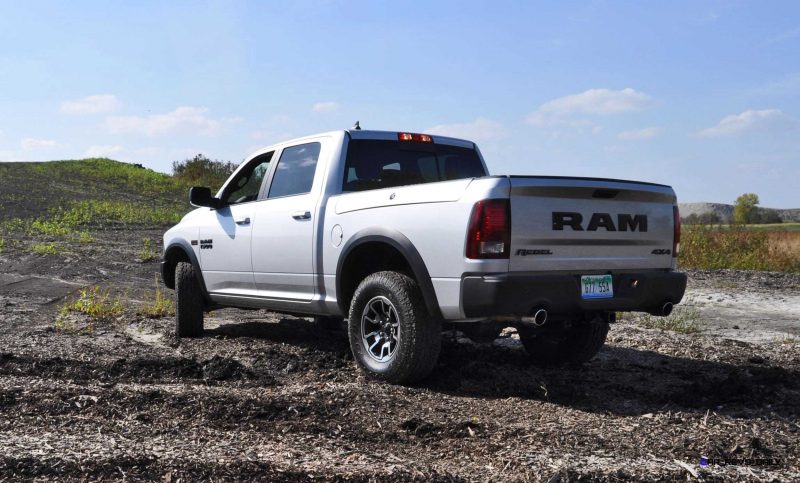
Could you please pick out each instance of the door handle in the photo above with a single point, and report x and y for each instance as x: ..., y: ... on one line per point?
x: 243, y: 221
x: 301, y: 215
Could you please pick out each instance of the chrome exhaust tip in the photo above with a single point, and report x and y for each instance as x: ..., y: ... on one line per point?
x: 666, y: 309
x: 539, y: 317
x: 537, y: 320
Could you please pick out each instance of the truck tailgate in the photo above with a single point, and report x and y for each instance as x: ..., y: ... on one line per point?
x: 587, y: 224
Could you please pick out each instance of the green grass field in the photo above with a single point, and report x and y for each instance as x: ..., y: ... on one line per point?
x: 36, y: 190
x: 49, y: 205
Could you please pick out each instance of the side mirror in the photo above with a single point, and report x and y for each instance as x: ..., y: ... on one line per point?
x: 201, y: 196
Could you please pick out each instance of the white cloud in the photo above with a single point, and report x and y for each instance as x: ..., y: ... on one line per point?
x: 750, y: 121
x: 644, y: 133
x: 328, y: 106
x: 32, y: 144
x: 232, y: 119
x: 184, y: 118
x: 480, y: 129
x: 97, y: 104
x: 591, y: 102
x: 103, y: 151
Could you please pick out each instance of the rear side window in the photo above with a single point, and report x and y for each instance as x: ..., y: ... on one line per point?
x: 294, y: 174
x: 374, y: 164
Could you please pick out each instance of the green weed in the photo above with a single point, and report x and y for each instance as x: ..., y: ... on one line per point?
x: 161, y: 305
x: 148, y: 254
x: 50, y: 227
x: 683, y: 320
x: 97, y: 304
x: 83, y: 237
x: 44, y: 248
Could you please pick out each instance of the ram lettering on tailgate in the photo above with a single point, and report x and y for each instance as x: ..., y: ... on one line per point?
x: 625, y: 222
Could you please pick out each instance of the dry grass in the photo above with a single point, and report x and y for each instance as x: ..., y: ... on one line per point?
x: 787, y: 242
x: 740, y: 248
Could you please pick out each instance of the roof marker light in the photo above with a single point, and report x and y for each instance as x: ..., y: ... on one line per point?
x: 422, y: 138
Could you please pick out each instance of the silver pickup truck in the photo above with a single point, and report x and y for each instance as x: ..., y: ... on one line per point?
x: 398, y: 233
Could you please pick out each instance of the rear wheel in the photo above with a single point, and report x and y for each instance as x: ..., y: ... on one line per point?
x: 392, y: 335
x: 577, y: 344
x: 189, y: 303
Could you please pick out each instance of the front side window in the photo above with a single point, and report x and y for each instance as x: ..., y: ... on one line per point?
x: 374, y: 164
x: 294, y: 174
x: 247, y: 183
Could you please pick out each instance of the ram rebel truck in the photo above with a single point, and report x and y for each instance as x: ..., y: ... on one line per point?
x: 398, y: 233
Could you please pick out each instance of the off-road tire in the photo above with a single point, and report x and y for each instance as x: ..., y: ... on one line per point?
x: 189, y: 303
x: 420, y: 338
x: 575, y: 345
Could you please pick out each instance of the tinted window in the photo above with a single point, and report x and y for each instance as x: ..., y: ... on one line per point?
x: 373, y: 164
x: 247, y: 183
x: 295, y: 172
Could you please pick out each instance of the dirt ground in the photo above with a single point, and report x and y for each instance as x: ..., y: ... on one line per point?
x: 276, y: 397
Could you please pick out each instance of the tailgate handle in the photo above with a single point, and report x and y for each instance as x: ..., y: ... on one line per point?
x: 605, y: 194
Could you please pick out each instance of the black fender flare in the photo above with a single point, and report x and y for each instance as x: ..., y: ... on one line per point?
x: 402, y: 244
x: 186, y: 248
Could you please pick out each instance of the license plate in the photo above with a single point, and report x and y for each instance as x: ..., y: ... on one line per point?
x: 596, y: 287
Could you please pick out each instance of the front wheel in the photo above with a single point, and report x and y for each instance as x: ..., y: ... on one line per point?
x: 392, y: 335
x: 575, y: 345
x: 189, y: 304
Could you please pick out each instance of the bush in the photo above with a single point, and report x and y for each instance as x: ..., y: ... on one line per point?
x: 201, y: 171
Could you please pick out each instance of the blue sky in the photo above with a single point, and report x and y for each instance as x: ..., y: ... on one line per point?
x: 704, y: 96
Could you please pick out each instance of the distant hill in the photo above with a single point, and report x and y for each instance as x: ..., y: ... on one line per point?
x: 725, y: 211
x: 32, y: 190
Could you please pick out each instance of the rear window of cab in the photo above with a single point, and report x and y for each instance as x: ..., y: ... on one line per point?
x: 374, y: 164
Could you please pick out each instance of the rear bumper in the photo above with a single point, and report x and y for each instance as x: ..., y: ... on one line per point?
x: 508, y: 294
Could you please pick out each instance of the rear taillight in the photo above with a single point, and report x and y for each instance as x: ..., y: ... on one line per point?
x: 676, y: 233
x: 489, y: 234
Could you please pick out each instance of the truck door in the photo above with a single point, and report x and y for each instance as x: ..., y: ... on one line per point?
x: 225, y: 236
x: 283, y: 233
